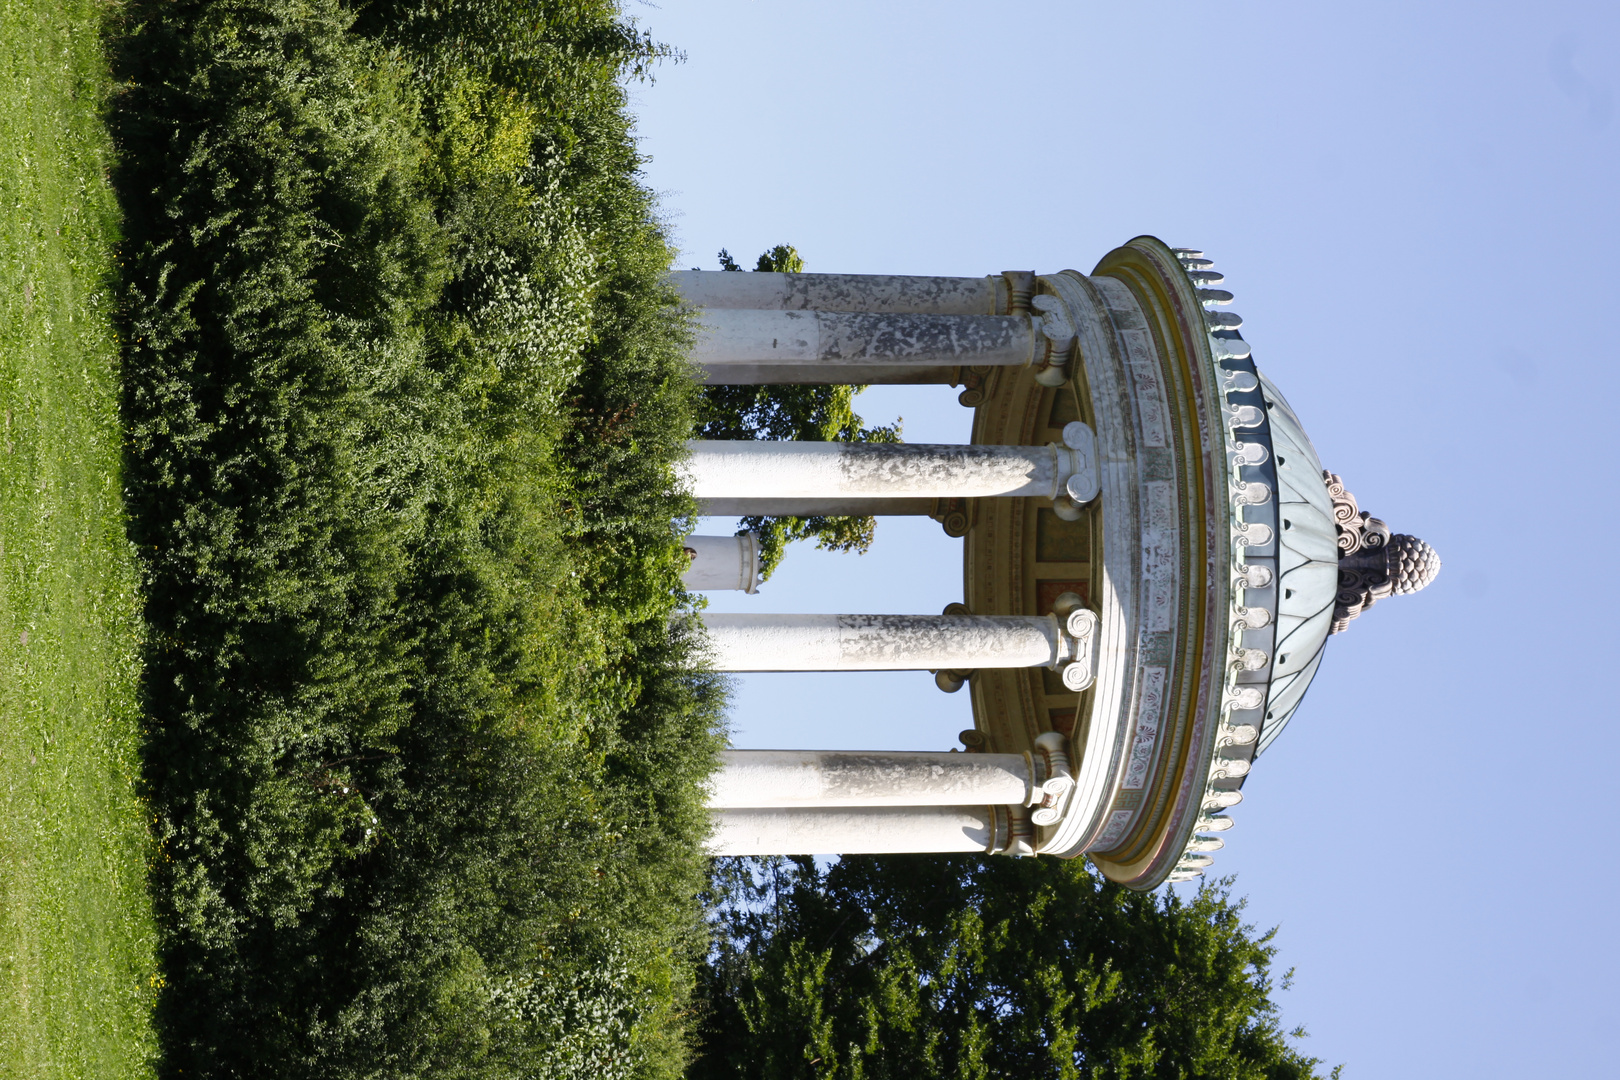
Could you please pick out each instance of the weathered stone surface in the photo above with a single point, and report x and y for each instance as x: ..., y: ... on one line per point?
x: 838, y: 292
x: 749, y: 642
x: 746, y: 336
x: 744, y: 469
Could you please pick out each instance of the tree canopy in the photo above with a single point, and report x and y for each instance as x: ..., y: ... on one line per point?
x: 805, y: 413
x: 920, y: 966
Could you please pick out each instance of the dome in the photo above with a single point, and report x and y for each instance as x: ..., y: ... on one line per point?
x: 1334, y: 561
x: 1307, y: 564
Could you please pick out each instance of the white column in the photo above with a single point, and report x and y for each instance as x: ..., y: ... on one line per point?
x: 852, y: 778
x: 743, y: 469
x: 824, y: 374
x: 883, y: 642
x: 850, y: 339
x: 817, y: 507
x: 837, y: 831
x: 722, y: 562
x: 842, y: 292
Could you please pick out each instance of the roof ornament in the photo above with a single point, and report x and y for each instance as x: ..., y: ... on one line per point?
x: 1373, y: 562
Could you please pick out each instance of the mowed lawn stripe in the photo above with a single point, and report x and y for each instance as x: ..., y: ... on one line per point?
x: 77, y: 977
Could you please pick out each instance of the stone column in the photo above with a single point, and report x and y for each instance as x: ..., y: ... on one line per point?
x: 818, y: 507
x: 822, y: 470
x: 854, y: 340
x: 823, y: 374
x: 850, y: 778
x: 843, y: 292
x: 836, y: 830
x: 722, y: 562
x: 884, y: 642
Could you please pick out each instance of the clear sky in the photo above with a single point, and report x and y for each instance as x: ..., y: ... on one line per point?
x: 1416, y: 207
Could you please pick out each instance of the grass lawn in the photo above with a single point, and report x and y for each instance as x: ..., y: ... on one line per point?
x: 76, y: 931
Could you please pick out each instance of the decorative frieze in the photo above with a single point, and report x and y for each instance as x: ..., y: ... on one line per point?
x: 1254, y: 520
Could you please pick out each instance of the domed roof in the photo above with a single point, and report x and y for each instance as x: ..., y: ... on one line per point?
x: 1307, y: 564
x: 1334, y: 561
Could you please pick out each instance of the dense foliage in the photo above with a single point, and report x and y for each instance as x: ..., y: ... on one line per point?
x: 803, y: 412
x: 915, y: 967
x: 404, y: 387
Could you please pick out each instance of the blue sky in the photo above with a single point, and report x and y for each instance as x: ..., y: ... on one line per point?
x: 1416, y: 207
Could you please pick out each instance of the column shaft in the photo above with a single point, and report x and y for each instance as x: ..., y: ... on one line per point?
x: 722, y: 562
x: 881, y: 642
x: 745, y: 469
x: 817, y: 507
x: 855, y: 339
x: 825, y: 374
x: 842, y: 292
x: 835, y: 831
x: 785, y: 778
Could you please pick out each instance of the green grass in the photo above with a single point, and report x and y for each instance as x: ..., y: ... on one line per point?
x: 76, y: 930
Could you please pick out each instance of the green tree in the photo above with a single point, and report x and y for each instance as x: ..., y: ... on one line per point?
x: 919, y: 966
x: 805, y: 413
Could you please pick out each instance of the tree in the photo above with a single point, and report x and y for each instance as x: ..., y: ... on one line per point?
x: 805, y: 413
x: 920, y: 966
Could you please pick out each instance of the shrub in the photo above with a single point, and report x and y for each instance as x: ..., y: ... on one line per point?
x: 404, y: 388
